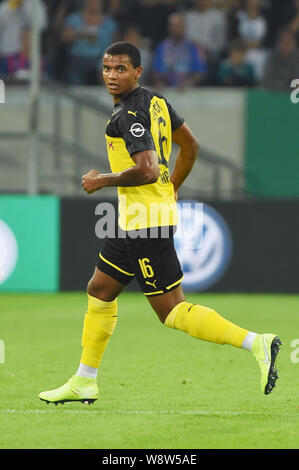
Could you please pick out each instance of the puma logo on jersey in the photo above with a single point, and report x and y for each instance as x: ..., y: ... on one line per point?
x: 152, y: 283
x: 132, y: 112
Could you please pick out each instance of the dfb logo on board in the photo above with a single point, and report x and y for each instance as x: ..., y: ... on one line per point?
x: 207, y: 260
x: 8, y: 251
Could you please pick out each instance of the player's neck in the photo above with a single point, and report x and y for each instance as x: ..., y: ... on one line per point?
x: 123, y: 96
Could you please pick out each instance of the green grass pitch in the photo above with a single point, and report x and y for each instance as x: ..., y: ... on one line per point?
x: 160, y: 388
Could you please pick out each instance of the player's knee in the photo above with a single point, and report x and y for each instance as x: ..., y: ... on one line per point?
x: 162, y: 315
x: 92, y: 289
x: 99, y: 291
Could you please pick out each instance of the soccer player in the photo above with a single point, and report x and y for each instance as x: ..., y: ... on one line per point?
x: 139, y: 135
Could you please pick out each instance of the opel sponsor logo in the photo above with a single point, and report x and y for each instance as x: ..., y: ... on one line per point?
x: 207, y: 260
x: 8, y: 251
x: 137, y: 129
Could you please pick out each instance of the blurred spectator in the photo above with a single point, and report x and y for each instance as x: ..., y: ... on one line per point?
x: 150, y: 16
x: 112, y: 7
x: 132, y: 35
x: 294, y: 23
x: 225, y: 5
x: 56, y: 49
x: 252, y: 26
x: 235, y: 70
x: 60, y: 9
x: 15, y: 15
x: 178, y: 62
x: 56, y: 7
x: 252, y: 29
x: 206, y: 26
x: 17, y: 66
x: 87, y: 33
x: 274, y: 12
x: 282, y: 65
x: 232, y: 20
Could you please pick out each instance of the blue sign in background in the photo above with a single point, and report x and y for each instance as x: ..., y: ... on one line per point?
x: 205, y: 260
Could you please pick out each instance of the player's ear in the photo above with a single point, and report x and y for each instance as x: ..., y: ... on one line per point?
x: 139, y: 71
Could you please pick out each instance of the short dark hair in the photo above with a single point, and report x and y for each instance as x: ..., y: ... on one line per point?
x: 125, y: 48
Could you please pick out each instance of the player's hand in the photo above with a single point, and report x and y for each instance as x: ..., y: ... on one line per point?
x: 176, y: 195
x: 91, y: 182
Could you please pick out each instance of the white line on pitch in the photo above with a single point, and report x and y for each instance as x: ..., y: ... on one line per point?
x: 97, y: 412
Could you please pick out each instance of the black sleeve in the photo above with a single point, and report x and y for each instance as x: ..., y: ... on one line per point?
x: 176, y: 119
x: 135, y: 129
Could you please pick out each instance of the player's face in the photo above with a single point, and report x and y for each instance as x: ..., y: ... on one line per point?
x: 119, y: 74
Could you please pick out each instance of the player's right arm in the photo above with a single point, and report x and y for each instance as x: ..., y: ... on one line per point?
x: 187, y: 153
x: 145, y: 171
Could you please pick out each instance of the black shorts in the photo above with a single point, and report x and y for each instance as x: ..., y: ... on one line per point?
x: 153, y: 261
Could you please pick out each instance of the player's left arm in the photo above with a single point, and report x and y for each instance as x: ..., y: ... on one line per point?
x: 187, y: 153
x: 145, y: 171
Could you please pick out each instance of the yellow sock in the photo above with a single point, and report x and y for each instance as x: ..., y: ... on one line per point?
x: 99, y: 323
x: 206, y: 324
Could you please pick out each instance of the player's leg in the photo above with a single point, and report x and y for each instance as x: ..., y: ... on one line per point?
x: 99, y: 321
x: 159, y: 274
x: 104, y: 287
x: 206, y: 324
x: 110, y: 277
x: 197, y: 320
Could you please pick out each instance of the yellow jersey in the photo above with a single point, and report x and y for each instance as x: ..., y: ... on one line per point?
x: 144, y: 120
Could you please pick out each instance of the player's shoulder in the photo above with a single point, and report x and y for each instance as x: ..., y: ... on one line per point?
x: 141, y: 99
x: 146, y: 104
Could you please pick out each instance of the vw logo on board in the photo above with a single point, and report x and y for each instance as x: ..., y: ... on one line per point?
x: 206, y: 259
